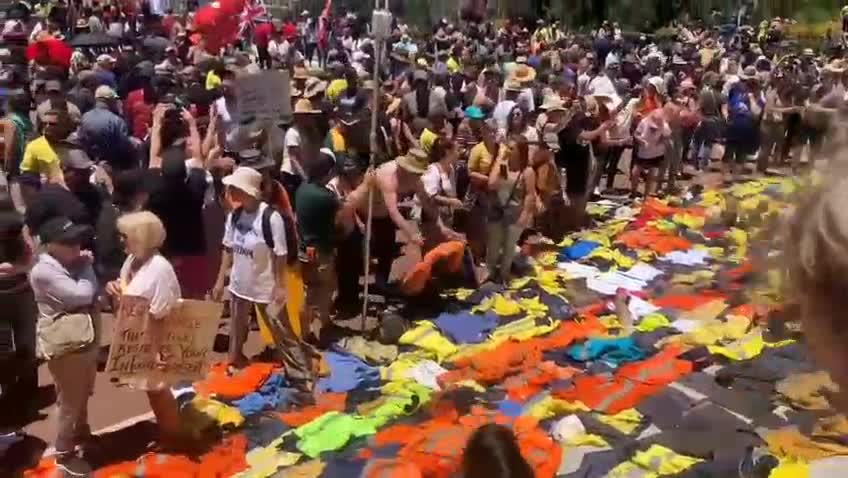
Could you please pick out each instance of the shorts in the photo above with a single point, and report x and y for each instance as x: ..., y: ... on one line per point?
x: 649, y: 163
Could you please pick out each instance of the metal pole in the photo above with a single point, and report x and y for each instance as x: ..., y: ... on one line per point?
x: 378, y: 50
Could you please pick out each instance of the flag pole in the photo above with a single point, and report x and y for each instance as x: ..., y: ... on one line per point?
x: 379, y: 42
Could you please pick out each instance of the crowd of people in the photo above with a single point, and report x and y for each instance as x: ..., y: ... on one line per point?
x: 127, y: 169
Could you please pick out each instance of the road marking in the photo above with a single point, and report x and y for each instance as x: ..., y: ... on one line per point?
x: 111, y: 428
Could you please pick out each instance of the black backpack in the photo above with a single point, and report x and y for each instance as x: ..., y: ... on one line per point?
x: 268, y: 236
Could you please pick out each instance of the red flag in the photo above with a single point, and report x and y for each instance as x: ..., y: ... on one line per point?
x: 252, y: 11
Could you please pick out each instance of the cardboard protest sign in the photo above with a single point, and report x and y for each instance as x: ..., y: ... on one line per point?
x: 264, y: 96
x: 147, y: 352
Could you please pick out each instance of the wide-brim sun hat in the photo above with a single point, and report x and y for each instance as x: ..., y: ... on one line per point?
x: 304, y: 107
x: 415, y: 161
x: 523, y: 73
x: 511, y: 85
x: 552, y: 104
x: 314, y: 86
x: 245, y: 179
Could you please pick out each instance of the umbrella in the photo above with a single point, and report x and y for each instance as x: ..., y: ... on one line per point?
x: 93, y: 40
x: 50, y: 50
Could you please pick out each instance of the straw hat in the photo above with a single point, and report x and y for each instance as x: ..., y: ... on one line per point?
x: 522, y: 73
x: 414, y: 162
x: 304, y: 107
x: 300, y: 73
x: 245, y: 179
x: 611, y: 101
x: 552, y: 104
x: 314, y: 86
x: 512, y: 85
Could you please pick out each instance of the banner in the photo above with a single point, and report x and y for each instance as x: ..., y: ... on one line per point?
x: 147, y: 353
x: 264, y: 96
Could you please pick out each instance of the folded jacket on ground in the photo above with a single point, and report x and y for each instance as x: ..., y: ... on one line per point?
x: 347, y: 373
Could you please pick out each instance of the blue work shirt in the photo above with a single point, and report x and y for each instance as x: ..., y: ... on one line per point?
x: 105, y: 137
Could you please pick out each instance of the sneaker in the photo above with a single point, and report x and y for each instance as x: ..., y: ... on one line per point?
x: 72, y: 466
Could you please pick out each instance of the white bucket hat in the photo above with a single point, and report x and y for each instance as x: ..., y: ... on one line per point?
x: 245, y: 179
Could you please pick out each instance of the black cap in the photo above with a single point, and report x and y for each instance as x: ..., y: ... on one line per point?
x: 322, y: 166
x: 61, y: 230
x: 254, y: 159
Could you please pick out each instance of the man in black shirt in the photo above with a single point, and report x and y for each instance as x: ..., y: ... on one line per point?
x: 176, y: 195
x: 574, y: 156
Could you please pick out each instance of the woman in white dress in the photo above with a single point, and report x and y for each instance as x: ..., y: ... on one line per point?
x: 146, y: 273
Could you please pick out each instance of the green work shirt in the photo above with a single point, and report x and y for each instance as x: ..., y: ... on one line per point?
x: 316, y: 216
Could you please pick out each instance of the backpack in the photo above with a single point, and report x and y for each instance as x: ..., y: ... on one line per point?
x: 268, y: 236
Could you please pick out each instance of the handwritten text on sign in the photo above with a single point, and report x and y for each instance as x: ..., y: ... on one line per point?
x: 264, y: 96
x: 176, y: 348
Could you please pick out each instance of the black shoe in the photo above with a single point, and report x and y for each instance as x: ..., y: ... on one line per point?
x: 73, y: 466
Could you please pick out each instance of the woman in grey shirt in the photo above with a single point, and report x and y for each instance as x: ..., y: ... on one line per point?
x: 65, y: 290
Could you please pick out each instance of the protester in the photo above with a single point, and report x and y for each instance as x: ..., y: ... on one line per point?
x: 493, y: 452
x: 104, y: 132
x: 440, y: 183
x: 65, y: 290
x: 147, y: 274
x: 814, y: 263
x: 254, y: 260
x: 16, y: 297
x: 498, y: 134
x: 130, y: 194
x: 652, y: 135
x: 40, y: 155
x: 480, y: 162
x: 512, y: 203
x: 322, y: 217
x: 177, y: 196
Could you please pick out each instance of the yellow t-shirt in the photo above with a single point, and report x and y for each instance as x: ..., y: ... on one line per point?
x: 40, y: 158
x: 453, y: 65
x: 212, y: 80
x: 480, y: 159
